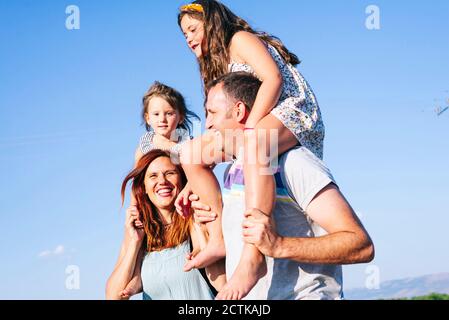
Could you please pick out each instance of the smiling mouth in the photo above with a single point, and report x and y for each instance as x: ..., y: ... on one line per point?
x: 164, y: 192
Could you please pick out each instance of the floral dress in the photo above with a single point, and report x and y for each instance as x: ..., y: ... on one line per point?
x: 297, y: 109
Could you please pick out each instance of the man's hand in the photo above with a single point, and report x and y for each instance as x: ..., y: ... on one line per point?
x: 259, y: 229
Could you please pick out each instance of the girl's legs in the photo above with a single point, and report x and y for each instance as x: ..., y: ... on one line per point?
x: 270, y: 139
x: 196, y: 158
x: 260, y: 193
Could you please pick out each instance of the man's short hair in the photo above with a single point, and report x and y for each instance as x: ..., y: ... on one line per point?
x: 238, y: 86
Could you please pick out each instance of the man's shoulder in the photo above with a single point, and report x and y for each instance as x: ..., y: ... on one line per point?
x: 303, y: 174
x: 301, y: 158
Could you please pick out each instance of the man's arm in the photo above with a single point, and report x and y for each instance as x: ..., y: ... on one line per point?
x: 347, y: 241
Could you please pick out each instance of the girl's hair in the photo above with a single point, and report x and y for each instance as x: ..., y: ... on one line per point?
x: 220, y: 25
x: 175, y: 99
x: 157, y: 236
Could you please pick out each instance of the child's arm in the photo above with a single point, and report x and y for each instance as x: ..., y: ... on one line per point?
x: 163, y: 143
x: 138, y: 154
x: 248, y: 48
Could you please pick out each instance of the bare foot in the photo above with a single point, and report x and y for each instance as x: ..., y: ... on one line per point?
x: 212, y: 253
x: 133, y: 287
x: 245, y: 277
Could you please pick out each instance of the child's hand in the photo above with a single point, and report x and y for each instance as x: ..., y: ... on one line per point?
x: 201, y: 212
x: 125, y: 294
x: 182, y: 202
x: 134, y: 287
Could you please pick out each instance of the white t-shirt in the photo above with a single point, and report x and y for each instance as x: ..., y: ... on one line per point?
x: 301, y: 176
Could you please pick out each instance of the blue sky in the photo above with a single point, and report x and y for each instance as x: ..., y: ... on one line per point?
x: 69, y: 125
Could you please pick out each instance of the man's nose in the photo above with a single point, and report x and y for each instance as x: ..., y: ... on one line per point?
x: 208, y: 124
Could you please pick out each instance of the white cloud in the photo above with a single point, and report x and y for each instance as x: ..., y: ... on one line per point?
x: 45, y: 253
x: 59, y: 250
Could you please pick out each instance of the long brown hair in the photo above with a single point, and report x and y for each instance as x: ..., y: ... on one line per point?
x: 220, y: 25
x: 157, y: 236
x: 175, y: 99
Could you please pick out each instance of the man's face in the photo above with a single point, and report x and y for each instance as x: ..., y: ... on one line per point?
x: 219, y: 111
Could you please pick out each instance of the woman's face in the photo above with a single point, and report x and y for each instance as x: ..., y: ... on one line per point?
x: 193, y: 31
x: 163, y: 183
x: 162, y: 117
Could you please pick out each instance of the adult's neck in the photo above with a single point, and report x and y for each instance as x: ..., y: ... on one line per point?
x: 166, y: 214
x: 238, y: 143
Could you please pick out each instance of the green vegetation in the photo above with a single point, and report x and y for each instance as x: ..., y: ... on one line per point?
x: 432, y: 296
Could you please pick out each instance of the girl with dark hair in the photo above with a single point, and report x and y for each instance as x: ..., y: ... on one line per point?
x: 223, y: 42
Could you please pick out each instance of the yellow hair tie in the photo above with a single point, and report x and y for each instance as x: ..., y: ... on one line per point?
x: 193, y: 6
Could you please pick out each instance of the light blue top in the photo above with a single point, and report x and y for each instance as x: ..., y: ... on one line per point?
x: 163, y: 277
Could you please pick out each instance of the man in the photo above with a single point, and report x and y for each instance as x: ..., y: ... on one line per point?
x: 312, y: 230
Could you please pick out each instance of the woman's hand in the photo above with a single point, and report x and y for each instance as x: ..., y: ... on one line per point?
x: 182, y: 202
x: 133, y: 225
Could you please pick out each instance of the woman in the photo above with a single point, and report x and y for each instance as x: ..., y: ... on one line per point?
x: 160, y: 243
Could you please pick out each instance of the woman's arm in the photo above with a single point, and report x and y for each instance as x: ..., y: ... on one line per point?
x: 123, y: 274
x: 248, y: 48
x: 137, y: 155
x: 135, y: 286
x: 124, y: 270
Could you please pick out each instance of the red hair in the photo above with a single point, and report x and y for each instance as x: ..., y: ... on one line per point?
x: 158, y: 237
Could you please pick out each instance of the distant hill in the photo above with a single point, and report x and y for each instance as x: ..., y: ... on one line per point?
x: 403, y: 288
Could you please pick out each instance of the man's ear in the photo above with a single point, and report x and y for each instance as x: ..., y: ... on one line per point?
x: 241, y: 112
